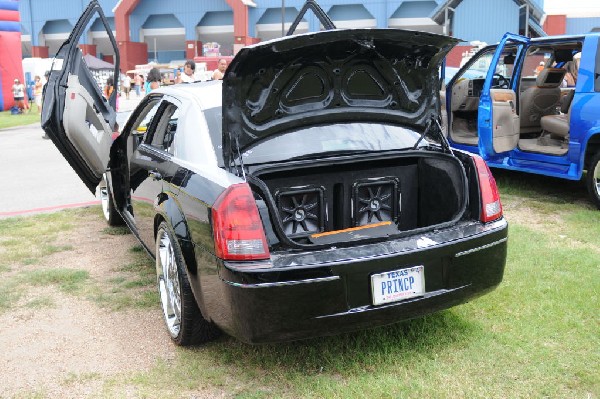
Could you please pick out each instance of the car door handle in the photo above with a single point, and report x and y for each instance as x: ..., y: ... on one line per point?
x: 155, y: 175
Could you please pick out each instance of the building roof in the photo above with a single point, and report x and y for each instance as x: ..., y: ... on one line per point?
x: 438, y: 14
x: 96, y: 63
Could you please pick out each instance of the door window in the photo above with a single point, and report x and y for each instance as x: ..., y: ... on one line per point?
x: 144, y: 119
x: 166, y: 128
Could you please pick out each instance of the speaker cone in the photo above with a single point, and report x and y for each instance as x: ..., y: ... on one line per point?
x: 301, y: 210
x: 375, y: 201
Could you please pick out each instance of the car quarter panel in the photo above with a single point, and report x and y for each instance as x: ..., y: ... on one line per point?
x: 198, y: 192
x: 329, y: 291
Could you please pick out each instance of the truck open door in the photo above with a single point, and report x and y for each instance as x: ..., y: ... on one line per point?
x: 498, y: 120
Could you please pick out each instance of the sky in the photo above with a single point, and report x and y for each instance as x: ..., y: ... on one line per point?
x: 573, y: 7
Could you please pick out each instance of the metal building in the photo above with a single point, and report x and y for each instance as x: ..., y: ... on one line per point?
x: 149, y: 30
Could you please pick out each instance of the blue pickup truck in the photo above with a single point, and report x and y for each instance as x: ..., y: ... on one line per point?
x: 531, y: 105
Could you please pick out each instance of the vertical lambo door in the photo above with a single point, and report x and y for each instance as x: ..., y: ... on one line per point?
x: 76, y: 115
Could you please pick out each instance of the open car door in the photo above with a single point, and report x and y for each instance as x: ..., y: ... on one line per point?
x: 497, y: 119
x: 75, y: 114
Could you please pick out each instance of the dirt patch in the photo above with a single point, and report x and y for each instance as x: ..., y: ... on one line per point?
x: 69, y: 345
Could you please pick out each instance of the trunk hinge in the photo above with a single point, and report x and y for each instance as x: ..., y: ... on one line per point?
x: 321, y: 16
x: 433, y: 121
x: 443, y: 139
x: 239, y: 156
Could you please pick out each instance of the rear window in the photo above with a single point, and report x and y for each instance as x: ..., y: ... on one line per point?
x: 337, y: 138
x: 214, y: 121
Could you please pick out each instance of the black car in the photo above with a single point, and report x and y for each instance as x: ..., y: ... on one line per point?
x: 310, y: 192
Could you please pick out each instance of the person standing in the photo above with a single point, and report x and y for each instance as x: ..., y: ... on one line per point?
x: 219, y: 73
x: 126, y: 85
x: 153, y: 80
x: 178, y: 77
x: 109, y: 87
x: 19, y: 95
x: 38, y: 88
x: 137, y: 80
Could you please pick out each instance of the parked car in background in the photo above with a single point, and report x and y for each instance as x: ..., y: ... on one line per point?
x: 531, y: 119
x: 303, y: 195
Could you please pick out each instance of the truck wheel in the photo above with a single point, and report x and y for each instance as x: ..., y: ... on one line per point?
x: 593, y: 179
x: 113, y: 218
x: 184, y: 321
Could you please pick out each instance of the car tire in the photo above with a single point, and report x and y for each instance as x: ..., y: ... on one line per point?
x: 183, y: 318
x: 112, y: 216
x: 593, y: 179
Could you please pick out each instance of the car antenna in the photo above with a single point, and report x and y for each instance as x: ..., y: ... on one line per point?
x: 321, y: 15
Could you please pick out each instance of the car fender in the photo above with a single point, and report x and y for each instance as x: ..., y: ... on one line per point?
x: 169, y: 210
x: 590, y: 145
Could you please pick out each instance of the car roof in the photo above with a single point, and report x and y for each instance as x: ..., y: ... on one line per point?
x: 544, y: 39
x: 208, y: 93
x: 558, y: 37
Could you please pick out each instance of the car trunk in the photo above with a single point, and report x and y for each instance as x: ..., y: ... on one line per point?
x: 348, y: 198
x: 336, y: 80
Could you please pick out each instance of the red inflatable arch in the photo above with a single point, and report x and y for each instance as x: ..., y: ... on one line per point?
x: 11, y: 66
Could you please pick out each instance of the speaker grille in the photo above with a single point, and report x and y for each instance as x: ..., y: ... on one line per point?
x: 301, y: 210
x: 375, y: 201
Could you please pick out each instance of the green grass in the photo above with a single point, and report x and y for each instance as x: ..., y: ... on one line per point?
x: 116, y: 230
x: 7, y: 120
x: 26, y: 240
x: 535, y: 336
x: 41, y: 302
x: 13, y: 288
x: 133, y: 284
x: 67, y: 280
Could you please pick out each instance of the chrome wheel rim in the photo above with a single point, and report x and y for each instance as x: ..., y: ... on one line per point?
x: 104, y: 201
x: 597, y: 179
x: 168, y: 283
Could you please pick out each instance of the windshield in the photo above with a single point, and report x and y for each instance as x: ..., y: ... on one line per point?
x: 336, y: 138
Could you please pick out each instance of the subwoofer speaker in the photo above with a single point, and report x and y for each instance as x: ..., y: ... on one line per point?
x: 375, y: 200
x: 301, y: 210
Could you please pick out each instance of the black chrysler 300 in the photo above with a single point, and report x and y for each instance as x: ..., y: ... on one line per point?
x: 310, y: 192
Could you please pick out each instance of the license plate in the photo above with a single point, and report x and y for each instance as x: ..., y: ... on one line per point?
x: 397, y: 285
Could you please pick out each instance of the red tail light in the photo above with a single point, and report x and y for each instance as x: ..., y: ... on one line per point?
x: 237, y: 228
x: 491, y: 207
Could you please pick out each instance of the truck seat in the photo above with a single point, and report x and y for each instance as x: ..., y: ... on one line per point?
x: 558, y: 125
x: 540, y: 100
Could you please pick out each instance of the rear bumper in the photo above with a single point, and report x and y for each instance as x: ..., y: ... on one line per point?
x: 328, y: 292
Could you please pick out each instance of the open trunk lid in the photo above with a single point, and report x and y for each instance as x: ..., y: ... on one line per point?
x: 367, y: 75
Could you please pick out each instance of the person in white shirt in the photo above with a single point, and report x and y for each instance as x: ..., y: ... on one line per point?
x: 18, y: 90
x: 126, y: 84
x: 189, y: 69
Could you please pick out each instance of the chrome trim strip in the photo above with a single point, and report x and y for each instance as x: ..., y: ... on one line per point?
x: 283, y: 283
x: 470, y: 251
